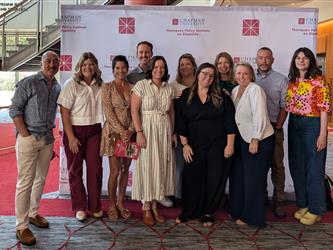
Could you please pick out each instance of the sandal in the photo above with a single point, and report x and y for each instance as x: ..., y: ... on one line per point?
x: 124, y: 213
x: 181, y: 219
x: 113, y: 213
x: 207, y: 220
x: 240, y: 222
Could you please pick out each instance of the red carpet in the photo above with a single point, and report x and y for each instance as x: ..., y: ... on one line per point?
x: 62, y: 207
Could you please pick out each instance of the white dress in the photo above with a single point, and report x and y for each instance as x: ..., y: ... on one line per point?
x: 154, y: 174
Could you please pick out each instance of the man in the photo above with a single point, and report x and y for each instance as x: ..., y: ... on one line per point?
x: 144, y: 51
x: 275, y: 86
x: 33, y: 111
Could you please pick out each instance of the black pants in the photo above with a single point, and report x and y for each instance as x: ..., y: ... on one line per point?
x: 248, y: 181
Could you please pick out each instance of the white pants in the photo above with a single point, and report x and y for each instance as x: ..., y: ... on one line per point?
x: 33, y: 161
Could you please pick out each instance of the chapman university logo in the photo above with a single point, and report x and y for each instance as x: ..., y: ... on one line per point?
x: 194, y: 22
x: 245, y: 59
x: 65, y: 63
x: 250, y: 27
x: 126, y: 25
x: 65, y: 19
x: 307, y: 21
x: 306, y: 26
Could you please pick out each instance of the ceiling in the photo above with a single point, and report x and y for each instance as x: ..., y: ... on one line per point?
x: 267, y: 2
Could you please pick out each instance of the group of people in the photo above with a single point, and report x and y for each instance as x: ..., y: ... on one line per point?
x: 212, y: 123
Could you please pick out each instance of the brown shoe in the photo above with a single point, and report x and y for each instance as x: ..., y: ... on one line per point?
x: 159, y: 218
x: 278, y: 210
x: 39, y: 221
x: 148, y: 218
x: 26, y: 237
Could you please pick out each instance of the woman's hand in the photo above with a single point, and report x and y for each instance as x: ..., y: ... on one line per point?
x: 74, y: 145
x: 321, y: 142
x: 228, y: 151
x: 253, y: 147
x: 174, y: 140
x: 226, y: 92
x: 187, y: 153
x: 141, y: 140
x: 178, y: 94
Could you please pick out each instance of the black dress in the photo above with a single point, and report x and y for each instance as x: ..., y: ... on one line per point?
x: 206, y: 128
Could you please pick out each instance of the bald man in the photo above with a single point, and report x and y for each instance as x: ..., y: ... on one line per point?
x: 33, y: 111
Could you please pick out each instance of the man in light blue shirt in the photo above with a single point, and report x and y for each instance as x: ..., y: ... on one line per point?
x: 33, y: 110
x: 275, y: 86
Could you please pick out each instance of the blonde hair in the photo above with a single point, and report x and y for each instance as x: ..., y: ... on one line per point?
x: 78, y: 74
x: 250, y: 68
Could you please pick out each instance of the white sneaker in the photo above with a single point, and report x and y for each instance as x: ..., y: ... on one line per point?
x: 166, y: 202
x: 98, y: 214
x: 81, y: 215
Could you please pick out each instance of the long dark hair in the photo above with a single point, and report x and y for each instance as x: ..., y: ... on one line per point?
x: 214, y: 93
x: 313, y: 69
x: 151, y: 66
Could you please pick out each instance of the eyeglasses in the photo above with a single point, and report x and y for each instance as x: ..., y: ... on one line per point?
x: 206, y: 74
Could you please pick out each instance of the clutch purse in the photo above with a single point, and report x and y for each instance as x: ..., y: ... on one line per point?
x: 126, y: 149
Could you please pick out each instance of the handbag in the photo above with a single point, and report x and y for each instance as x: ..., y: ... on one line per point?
x: 126, y: 149
x: 329, y: 192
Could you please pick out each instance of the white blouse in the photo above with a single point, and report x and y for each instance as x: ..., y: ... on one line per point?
x: 83, y: 100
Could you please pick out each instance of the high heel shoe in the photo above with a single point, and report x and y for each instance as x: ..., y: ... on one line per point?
x: 159, y: 218
x: 147, y: 217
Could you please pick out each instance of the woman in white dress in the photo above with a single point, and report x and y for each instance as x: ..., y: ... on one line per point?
x: 153, y: 117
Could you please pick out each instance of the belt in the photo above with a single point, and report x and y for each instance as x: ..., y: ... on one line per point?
x: 153, y: 112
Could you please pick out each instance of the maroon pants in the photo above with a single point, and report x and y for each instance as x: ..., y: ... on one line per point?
x: 90, y: 139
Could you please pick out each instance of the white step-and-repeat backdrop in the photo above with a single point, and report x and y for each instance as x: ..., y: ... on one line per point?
x: 202, y: 31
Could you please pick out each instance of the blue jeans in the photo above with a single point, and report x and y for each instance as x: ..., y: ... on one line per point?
x: 306, y: 164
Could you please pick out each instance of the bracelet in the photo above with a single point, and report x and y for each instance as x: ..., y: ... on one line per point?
x: 139, y: 131
x: 184, y: 144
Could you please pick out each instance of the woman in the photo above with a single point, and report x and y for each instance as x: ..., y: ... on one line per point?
x: 185, y: 78
x: 308, y: 101
x: 81, y: 111
x: 116, y: 98
x: 206, y: 126
x: 225, y: 67
x: 254, y: 150
x: 153, y: 117
x: 185, y: 73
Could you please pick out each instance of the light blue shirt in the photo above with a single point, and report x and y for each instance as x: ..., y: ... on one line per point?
x: 275, y: 86
x: 37, y: 105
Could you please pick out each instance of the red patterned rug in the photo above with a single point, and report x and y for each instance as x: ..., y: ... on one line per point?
x: 62, y: 207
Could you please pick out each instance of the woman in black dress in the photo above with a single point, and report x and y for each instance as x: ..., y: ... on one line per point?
x: 205, y: 122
